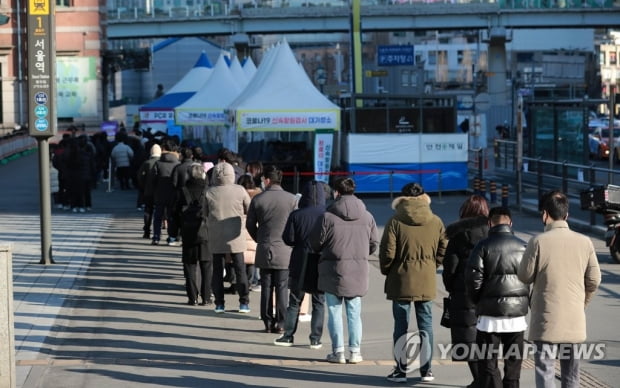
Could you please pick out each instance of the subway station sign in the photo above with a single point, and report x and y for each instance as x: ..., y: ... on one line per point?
x: 41, y: 68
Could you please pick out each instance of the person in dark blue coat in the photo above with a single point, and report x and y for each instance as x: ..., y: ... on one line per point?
x: 303, y: 266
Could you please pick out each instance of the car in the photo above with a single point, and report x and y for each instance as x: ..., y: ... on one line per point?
x: 598, y: 140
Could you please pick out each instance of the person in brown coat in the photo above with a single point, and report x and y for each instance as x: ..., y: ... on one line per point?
x: 412, y: 247
x: 563, y: 269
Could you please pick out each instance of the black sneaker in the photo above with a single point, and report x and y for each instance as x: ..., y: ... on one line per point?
x: 283, y: 341
x: 397, y: 376
x: 315, y: 344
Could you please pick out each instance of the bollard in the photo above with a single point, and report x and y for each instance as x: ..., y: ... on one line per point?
x: 493, y: 191
x: 483, y: 188
x: 476, y: 185
x: 7, y: 325
x: 505, y: 195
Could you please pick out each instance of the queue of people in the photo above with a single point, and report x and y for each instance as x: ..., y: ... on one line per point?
x: 316, y: 245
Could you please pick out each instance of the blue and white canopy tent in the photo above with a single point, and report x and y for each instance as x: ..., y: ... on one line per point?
x: 159, y: 112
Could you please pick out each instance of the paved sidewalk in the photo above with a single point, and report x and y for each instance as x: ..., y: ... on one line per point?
x: 112, y: 312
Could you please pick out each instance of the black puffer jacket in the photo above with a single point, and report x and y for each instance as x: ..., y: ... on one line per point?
x: 463, y: 235
x: 164, y: 192
x: 491, y: 276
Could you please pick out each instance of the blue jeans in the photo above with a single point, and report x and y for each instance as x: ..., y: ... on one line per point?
x: 401, y: 310
x: 353, y: 308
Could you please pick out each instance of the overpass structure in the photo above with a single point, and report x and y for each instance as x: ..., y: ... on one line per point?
x: 135, y: 22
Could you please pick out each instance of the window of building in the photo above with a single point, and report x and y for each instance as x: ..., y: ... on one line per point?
x: 612, y: 58
x: 64, y: 3
x: 601, y: 58
x: 432, y: 57
x: 405, y: 76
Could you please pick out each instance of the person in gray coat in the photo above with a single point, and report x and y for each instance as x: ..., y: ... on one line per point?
x: 227, y: 203
x: 265, y: 223
x: 345, y: 235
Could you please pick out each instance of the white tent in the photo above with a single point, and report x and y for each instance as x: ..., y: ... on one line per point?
x: 249, y: 68
x: 160, y: 111
x: 281, y: 97
x: 238, y: 74
x: 206, y: 106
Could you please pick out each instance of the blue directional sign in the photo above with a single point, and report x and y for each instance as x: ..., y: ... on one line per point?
x: 41, y: 125
x: 40, y: 111
x: 395, y: 55
x: 40, y: 98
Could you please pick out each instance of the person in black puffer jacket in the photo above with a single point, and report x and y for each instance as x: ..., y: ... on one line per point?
x: 463, y: 235
x: 501, y: 299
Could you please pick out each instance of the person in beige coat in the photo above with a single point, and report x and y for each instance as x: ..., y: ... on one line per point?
x: 227, y: 204
x: 563, y: 268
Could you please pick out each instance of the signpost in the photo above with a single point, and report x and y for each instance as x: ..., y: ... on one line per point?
x: 41, y: 103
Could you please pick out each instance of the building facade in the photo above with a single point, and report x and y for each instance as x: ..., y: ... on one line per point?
x: 80, y: 40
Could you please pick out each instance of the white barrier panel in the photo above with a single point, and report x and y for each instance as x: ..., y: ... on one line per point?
x: 15, y: 145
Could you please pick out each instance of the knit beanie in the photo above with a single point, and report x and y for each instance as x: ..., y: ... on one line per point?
x: 155, y: 150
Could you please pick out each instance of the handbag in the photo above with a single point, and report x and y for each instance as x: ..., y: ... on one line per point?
x: 445, y: 316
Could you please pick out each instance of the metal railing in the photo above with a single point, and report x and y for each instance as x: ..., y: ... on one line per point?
x: 132, y: 9
x: 537, y: 175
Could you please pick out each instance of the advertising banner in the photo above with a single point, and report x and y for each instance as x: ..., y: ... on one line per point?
x: 287, y: 121
x: 189, y: 117
x: 323, y: 146
x: 76, y: 87
x: 156, y: 116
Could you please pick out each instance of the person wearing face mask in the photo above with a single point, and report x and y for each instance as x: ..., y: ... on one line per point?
x: 564, y: 272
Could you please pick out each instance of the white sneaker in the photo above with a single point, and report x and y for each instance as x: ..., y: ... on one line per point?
x: 355, y: 358
x: 428, y: 376
x: 82, y: 210
x: 336, y: 358
x: 75, y: 210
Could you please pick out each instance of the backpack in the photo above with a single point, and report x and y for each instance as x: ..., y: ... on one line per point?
x: 193, y: 220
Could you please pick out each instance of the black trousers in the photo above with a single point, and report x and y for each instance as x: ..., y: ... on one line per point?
x: 273, y: 280
x: 241, y: 278
x: 488, y: 371
x: 192, y: 287
x: 149, y: 209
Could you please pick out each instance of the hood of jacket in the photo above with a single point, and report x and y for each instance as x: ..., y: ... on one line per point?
x: 348, y: 207
x: 312, y: 194
x: 169, y: 157
x: 223, y: 174
x: 413, y: 210
x: 464, y: 225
